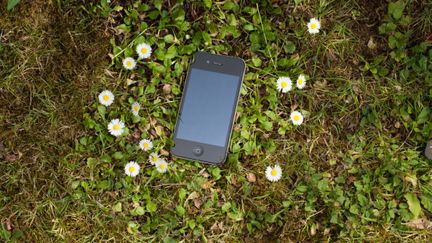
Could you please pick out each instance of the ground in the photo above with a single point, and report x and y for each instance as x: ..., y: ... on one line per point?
x: 355, y: 169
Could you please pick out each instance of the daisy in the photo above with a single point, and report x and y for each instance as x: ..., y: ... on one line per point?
x: 106, y: 98
x: 146, y: 144
x: 296, y: 118
x: 161, y: 166
x: 273, y: 173
x: 132, y: 169
x: 135, y: 108
x: 153, y: 158
x: 284, y: 84
x: 144, y: 50
x: 129, y: 63
x: 301, y: 81
x: 314, y: 26
x: 115, y: 127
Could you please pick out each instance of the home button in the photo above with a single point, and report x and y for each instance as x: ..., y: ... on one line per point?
x: 198, y: 150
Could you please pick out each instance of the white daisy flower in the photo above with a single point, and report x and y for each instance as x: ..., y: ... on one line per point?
x: 153, y: 158
x: 116, y: 127
x: 273, y: 173
x: 284, y: 84
x: 301, y: 81
x: 161, y: 165
x: 146, y: 144
x: 144, y: 50
x: 314, y: 26
x: 106, y: 98
x: 132, y: 169
x: 296, y: 118
x: 129, y: 63
x: 135, y: 108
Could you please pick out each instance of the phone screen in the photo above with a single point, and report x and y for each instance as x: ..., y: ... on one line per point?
x: 208, y: 107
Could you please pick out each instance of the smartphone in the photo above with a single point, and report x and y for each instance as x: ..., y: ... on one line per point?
x: 206, y: 115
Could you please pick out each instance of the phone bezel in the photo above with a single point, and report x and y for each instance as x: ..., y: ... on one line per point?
x: 212, y: 154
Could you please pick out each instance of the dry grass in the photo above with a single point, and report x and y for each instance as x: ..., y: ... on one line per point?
x: 49, y: 60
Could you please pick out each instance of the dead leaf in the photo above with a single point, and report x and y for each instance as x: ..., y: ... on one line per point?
x: 397, y: 125
x: 412, y: 179
x: 11, y: 157
x: 192, y: 196
x: 207, y: 185
x: 203, y: 173
x: 251, y: 177
x: 160, y: 131
x: 167, y: 88
x: 197, y: 203
x: 163, y: 152
x: 9, y: 225
x: 371, y: 44
x: 421, y: 223
x: 130, y: 82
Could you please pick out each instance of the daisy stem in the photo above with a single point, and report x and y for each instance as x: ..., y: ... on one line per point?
x: 148, y: 181
x: 265, y: 37
x: 130, y: 44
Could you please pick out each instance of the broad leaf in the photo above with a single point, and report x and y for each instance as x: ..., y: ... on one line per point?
x: 11, y: 4
x: 413, y: 204
x: 396, y: 9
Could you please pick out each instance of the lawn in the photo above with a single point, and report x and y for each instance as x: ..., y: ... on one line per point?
x: 354, y: 170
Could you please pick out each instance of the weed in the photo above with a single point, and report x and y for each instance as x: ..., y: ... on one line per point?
x: 353, y: 171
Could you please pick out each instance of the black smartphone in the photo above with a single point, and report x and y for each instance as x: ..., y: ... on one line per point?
x: 208, y: 105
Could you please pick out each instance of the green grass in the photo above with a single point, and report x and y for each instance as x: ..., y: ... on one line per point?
x: 354, y: 171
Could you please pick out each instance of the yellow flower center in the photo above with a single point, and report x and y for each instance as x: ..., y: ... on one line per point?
x: 128, y: 63
x: 313, y: 26
x: 143, y: 50
x: 116, y: 127
x: 284, y: 84
x: 300, y: 81
x: 296, y: 118
x: 274, y: 172
x: 136, y: 108
x: 162, y: 166
x: 145, y: 145
x: 131, y: 169
x: 154, y: 158
x: 106, y: 97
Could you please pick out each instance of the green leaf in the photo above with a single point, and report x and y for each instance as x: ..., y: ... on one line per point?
x: 396, y: 9
x: 226, y: 206
x: 289, y: 47
x: 118, y: 155
x: 169, y: 38
x: 139, y: 210
x: 413, y: 204
x: 249, y: 147
x: 182, y: 194
x: 423, y: 116
x: 208, y: 3
x: 158, y: 4
x: 117, y: 207
x: 180, y: 210
x: 216, y: 172
x: 101, y: 110
x: 354, y: 209
x: 236, y: 216
x: 256, y: 61
x: 426, y: 202
x: 91, y: 162
x: 151, y: 206
x: 11, y: 4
